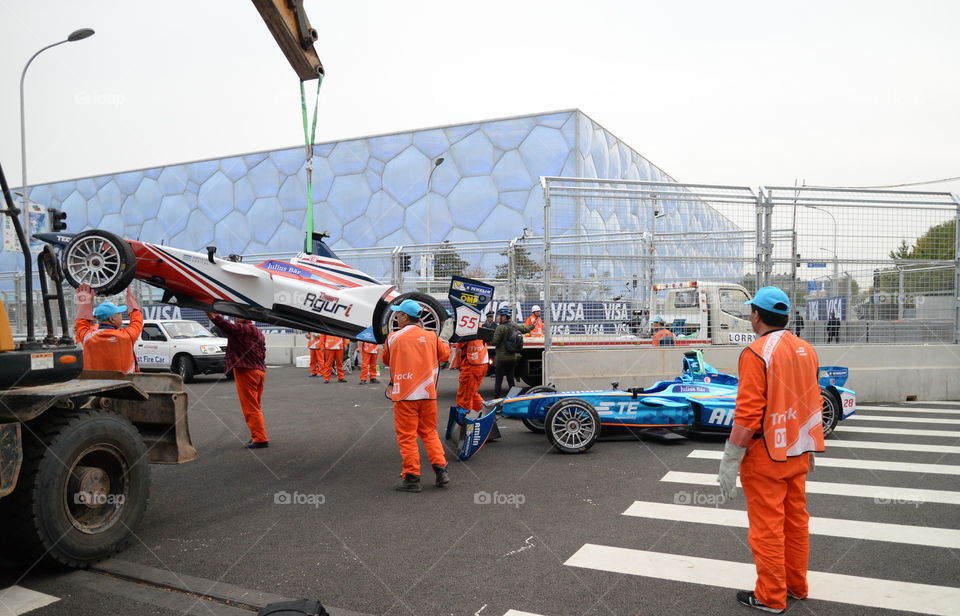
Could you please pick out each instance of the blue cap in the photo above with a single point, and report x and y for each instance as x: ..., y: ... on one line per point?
x: 658, y: 319
x: 106, y: 310
x: 408, y: 306
x: 772, y: 299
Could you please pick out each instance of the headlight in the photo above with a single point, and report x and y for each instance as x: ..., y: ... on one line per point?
x: 210, y: 348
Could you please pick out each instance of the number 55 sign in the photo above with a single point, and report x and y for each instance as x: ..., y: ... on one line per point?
x: 468, y: 299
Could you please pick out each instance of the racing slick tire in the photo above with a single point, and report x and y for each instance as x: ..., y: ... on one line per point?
x: 832, y: 410
x: 83, y: 488
x: 101, y: 259
x: 572, y: 425
x: 535, y: 425
x: 432, y: 314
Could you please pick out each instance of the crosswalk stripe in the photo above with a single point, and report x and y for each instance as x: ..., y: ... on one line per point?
x: 836, y: 442
x: 900, y: 431
x: 15, y: 600
x: 932, y: 420
x: 865, y: 465
x: 880, y: 494
x: 900, y: 409
x: 833, y: 527
x: 850, y: 589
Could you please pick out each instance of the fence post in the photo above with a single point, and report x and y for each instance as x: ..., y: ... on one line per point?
x: 956, y: 272
x: 547, y: 291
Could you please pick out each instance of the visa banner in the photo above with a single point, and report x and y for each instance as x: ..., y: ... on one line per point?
x: 468, y: 298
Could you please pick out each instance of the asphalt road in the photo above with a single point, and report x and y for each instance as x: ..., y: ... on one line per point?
x: 344, y: 536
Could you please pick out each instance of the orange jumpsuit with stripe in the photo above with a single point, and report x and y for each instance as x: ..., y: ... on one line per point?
x: 333, y: 356
x: 537, y: 323
x: 315, y: 344
x: 414, y: 355
x: 368, y: 360
x: 109, y: 348
x: 473, y: 367
x: 778, y: 399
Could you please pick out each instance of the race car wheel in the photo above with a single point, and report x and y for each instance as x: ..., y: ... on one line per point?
x: 831, y: 411
x: 535, y: 425
x: 432, y: 314
x: 100, y: 259
x: 572, y: 425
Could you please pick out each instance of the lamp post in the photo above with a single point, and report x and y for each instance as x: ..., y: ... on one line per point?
x: 76, y: 35
x: 427, y: 258
x: 833, y: 285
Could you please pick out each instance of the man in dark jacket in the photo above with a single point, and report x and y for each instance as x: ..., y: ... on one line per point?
x: 246, y: 353
x: 505, y: 362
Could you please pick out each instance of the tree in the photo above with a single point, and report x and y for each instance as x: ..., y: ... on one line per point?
x: 447, y: 262
x: 525, y: 266
x: 937, y: 246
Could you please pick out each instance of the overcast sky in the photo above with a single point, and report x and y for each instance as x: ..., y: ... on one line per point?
x: 765, y: 92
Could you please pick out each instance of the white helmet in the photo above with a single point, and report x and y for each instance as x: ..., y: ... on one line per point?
x: 535, y: 308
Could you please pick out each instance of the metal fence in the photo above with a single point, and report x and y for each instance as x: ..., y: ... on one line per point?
x: 860, y: 266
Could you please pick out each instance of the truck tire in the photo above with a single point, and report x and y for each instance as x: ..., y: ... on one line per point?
x: 432, y: 314
x: 533, y: 380
x: 535, y: 425
x: 83, y: 487
x: 101, y: 259
x: 184, y: 366
x: 572, y: 425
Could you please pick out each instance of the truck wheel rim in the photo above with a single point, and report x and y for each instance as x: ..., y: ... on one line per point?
x: 573, y: 427
x: 93, y: 260
x: 96, y: 489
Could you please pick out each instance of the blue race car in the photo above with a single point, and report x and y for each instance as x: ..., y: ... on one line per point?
x: 700, y: 401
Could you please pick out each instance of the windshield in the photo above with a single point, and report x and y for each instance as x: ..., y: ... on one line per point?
x: 732, y: 301
x: 187, y: 329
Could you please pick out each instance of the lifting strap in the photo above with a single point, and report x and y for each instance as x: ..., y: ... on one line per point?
x: 309, y: 134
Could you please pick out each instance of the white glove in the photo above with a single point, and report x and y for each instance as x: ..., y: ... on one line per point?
x: 446, y: 332
x: 730, y: 468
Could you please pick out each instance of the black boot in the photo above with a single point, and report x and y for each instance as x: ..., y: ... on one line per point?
x: 443, y: 477
x: 410, y: 483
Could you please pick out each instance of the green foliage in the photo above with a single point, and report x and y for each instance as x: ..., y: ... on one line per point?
x: 447, y: 262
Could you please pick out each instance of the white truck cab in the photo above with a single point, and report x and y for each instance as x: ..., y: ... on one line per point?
x: 707, y: 310
x: 181, y: 346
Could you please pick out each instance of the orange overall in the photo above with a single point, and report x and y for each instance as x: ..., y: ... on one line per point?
x: 250, y: 392
x: 315, y: 344
x: 368, y: 360
x: 537, y: 323
x: 779, y: 401
x: 473, y: 367
x: 333, y: 356
x: 413, y: 355
x: 109, y: 348
x: 660, y: 335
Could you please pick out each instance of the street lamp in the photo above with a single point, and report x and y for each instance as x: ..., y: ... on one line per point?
x: 76, y: 35
x: 833, y: 285
x: 425, y: 268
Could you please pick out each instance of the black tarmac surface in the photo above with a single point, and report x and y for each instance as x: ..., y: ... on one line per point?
x: 316, y: 515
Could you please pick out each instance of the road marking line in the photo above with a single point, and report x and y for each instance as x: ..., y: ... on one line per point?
x: 900, y: 431
x: 15, y: 600
x: 880, y: 494
x: 517, y: 613
x: 901, y: 409
x: 834, y: 527
x: 947, y: 402
x: 867, y: 465
x: 892, y: 446
x: 933, y: 420
x: 850, y: 589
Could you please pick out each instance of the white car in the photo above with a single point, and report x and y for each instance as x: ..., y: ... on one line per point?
x: 183, y: 347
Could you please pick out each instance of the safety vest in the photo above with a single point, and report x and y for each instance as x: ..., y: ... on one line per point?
x: 537, y: 326
x: 413, y: 355
x: 793, y: 414
x: 371, y: 348
x: 475, y: 353
x: 333, y: 343
x: 315, y: 341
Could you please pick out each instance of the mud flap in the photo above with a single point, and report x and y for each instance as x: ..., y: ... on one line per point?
x: 470, y: 435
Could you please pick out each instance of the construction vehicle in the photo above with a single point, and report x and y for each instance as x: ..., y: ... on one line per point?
x: 75, y: 445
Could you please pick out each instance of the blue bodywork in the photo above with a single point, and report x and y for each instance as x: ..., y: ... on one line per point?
x: 700, y: 400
